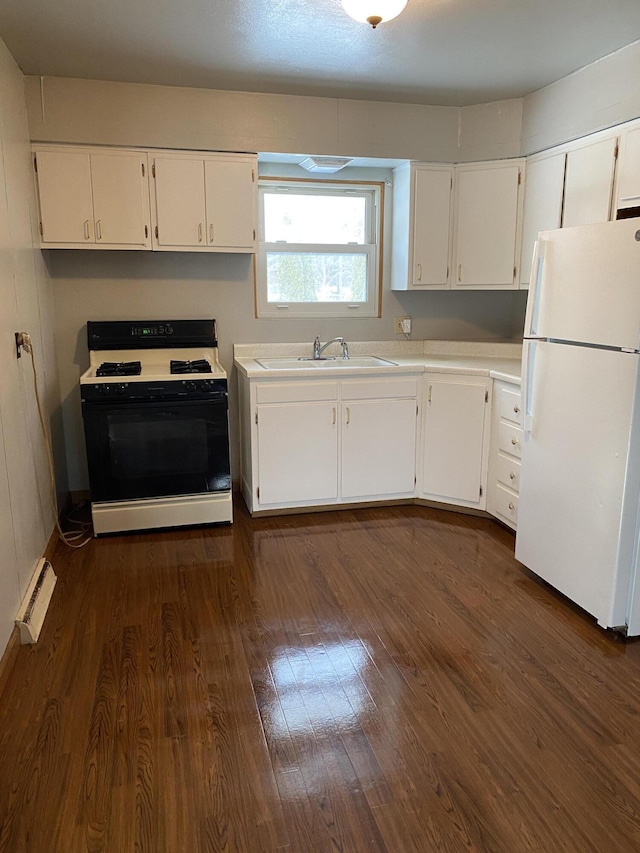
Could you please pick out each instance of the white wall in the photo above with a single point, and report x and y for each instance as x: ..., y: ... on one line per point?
x: 26, y: 514
x: 602, y: 94
x: 106, y: 113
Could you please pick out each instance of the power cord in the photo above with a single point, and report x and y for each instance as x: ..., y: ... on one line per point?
x: 73, y: 538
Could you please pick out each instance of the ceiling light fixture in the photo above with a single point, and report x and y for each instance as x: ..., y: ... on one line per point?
x: 373, y: 12
x: 325, y: 164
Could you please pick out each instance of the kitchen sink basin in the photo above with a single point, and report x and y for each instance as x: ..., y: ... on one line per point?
x: 307, y: 363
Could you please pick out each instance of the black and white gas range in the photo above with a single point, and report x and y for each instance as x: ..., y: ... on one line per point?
x: 155, y: 411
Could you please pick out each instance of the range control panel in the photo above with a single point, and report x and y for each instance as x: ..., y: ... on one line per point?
x: 147, y: 334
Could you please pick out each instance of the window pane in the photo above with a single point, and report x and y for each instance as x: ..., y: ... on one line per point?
x: 316, y: 277
x: 314, y: 218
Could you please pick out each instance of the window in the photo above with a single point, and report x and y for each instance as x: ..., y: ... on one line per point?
x: 319, y: 252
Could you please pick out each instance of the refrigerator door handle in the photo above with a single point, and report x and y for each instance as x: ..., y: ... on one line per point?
x: 533, y: 300
x: 528, y: 363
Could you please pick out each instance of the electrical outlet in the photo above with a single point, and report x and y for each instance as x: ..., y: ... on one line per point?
x: 399, y: 325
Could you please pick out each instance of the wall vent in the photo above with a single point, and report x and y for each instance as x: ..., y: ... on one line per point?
x: 36, y: 601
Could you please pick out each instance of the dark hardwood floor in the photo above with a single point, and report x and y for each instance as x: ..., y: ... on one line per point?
x: 368, y: 680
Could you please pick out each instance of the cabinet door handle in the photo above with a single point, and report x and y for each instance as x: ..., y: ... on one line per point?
x: 334, y: 416
x: 511, y: 506
x: 514, y: 441
x: 200, y: 232
x: 459, y: 272
x: 516, y: 409
x: 429, y: 397
x: 512, y: 476
x: 99, y: 229
x: 348, y: 415
x: 86, y: 229
x: 419, y: 270
x: 211, y: 233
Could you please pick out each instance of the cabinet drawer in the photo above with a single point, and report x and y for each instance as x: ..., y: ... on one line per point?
x: 506, y: 504
x: 510, y: 405
x: 508, y: 471
x: 379, y: 388
x: 296, y: 392
x: 510, y: 439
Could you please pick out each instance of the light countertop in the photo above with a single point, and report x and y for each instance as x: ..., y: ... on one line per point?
x: 497, y: 360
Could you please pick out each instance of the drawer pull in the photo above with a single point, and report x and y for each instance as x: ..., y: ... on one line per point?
x: 512, y: 476
x: 86, y: 229
x: 200, y: 232
x: 514, y: 441
x: 419, y: 272
x: 516, y: 409
x: 511, y: 506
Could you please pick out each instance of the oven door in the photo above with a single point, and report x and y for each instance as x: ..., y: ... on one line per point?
x: 157, y: 449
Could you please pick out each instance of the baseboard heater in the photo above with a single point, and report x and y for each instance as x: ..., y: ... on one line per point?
x: 36, y: 601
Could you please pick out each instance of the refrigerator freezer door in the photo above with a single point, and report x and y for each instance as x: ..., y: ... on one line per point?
x: 588, y: 285
x: 579, y: 476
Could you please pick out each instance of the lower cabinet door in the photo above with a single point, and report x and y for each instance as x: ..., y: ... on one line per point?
x: 454, y: 445
x: 297, y: 453
x: 378, y: 448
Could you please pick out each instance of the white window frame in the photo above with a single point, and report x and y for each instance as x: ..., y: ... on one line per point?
x: 372, y: 249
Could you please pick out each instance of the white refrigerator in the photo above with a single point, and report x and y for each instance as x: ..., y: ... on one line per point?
x: 578, y: 518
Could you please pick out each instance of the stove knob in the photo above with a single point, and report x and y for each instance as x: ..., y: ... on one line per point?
x: 168, y: 330
x: 105, y: 390
x: 191, y: 386
x: 207, y: 385
x: 121, y: 389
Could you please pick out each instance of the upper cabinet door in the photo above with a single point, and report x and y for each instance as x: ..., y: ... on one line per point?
x: 231, y: 192
x: 542, y: 205
x: 431, y: 226
x: 66, y: 205
x: 120, y: 199
x: 487, y: 207
x: 628, y: 194
x: 589, y: 183
x: 180, y: 202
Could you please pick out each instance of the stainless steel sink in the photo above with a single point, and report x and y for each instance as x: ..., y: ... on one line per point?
x: 357, y: 361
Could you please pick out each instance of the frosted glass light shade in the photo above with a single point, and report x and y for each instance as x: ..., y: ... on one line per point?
x: 373, y: 12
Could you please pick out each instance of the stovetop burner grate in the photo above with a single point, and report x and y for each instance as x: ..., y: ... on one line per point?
x: 119, y: 368
x: 200, y: 365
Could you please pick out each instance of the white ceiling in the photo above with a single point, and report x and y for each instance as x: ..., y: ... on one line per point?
x: 452, y: 52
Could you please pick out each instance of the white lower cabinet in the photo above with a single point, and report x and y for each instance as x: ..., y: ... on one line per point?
x: 297, y: 452
x: 315, y: 442
x: 455, y: 433
x: 378, y: 448
x: 505, y: 453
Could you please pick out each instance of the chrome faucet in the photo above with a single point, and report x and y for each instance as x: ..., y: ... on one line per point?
x: 318, y: 349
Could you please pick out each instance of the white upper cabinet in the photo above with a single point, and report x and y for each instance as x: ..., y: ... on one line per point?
x: 231, y: 204
x: 422, y: 220
x: 628, y: 192
x: 542, y: 205
x: 204, y: 203
x: 589, y: 183
x: 180, y: 210
x: 488, y: 221
x: 120, y: 199
x: 93, y: 200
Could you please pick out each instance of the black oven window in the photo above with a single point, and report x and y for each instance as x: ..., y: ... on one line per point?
x: 151, y: 448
